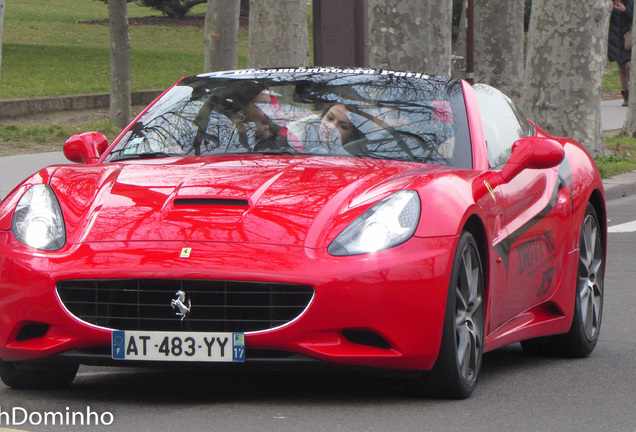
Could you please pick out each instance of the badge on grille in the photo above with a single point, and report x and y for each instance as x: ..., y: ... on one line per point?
x: 179, y: 304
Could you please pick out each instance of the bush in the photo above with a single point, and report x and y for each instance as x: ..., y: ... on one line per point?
x: 173, y: 8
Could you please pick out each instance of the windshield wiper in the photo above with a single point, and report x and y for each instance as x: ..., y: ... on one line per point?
x: 149, y: 155
x: 279, y: 152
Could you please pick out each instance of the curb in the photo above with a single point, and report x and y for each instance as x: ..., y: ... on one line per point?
x: 20, y: 107
x: 620, y: 186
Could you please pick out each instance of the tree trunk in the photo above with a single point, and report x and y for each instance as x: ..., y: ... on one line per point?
x: 567, y: 50
x: 220, y: 35
x: 499, y: 39
x: 278, y: 33
x: 412, y: 35
x: 119, y: 63
x: 630, y: 122
x: 1, y: 24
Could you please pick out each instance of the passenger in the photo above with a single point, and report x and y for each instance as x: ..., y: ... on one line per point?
x: 324, y: 134
x: 338, y: 119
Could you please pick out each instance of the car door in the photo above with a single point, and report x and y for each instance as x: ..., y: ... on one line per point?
x: 537, y: 220
x: 536, y: 209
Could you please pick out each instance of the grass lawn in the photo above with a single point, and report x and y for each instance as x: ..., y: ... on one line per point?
x: 56, y: 48
x: 622, y: 159
x: 611, y: 80
x: 41, y: 138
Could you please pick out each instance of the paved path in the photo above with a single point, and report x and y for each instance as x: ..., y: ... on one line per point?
x: 14, y: 169
x: 613, y: 115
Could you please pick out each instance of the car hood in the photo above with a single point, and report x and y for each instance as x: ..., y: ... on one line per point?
x: 300, y: 201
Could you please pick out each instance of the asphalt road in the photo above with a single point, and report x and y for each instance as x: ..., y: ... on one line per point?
x: 515, y: 392
x: 14, y: 169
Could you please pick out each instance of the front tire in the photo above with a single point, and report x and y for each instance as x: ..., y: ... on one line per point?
x: 456, y: 370
x: 37, y: 375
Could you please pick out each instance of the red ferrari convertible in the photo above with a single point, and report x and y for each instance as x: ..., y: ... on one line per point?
x: 353, y: 217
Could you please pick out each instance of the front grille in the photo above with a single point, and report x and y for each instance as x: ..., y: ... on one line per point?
x: 145, y: 304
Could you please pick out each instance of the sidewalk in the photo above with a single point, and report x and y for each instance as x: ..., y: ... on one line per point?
x: 14, y: 169
x: 613, y: 115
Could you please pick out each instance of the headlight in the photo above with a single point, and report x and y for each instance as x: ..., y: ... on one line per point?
x: 388, y: 223
x: 38, y: 221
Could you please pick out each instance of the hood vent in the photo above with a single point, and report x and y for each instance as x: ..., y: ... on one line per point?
x: 225, y: 202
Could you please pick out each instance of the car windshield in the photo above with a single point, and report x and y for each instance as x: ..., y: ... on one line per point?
x: 361, y: 113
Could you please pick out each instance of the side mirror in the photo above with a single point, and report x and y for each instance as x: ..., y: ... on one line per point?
x: 527, y: 153
x: 86, y: 147
x: 532, y: 153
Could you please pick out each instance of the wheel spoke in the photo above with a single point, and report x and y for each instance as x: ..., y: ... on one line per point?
x: 472, y: 275
x: 468, y: 350
x: 593, y: 238
x: 462, y: 303
x: 587, y: 311
x: 463, y: 345
x: 584, y: 255
x: 596, y: 266
x: 597, y: 306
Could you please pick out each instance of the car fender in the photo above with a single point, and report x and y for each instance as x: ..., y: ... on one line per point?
x: 589, y: 188
x: 447, y: 204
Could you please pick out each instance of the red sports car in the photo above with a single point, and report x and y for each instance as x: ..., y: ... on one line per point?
x: 356, y: 217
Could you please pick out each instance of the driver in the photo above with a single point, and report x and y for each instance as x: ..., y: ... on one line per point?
x: 251, y: 119
x: 243, y: 104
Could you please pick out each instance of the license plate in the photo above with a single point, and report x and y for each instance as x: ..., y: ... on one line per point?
x: 178, y: 346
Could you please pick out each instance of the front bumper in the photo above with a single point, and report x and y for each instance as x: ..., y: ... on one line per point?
x: 397, y: 296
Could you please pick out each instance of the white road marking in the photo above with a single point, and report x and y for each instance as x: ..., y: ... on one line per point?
x: 623, y: 228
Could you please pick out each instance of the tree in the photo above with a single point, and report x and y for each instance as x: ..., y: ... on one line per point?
x: 411, y: 35
x: 278, y: 33
x: 566, y: 56
x: 630, y: 122
x: 119, y: 63
x: 499, y: 39
x: 220, y: 35
x: 1, y: 24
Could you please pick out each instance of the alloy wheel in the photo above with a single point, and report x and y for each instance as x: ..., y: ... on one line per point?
x: 590, y: 277
x: 469, y: 315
